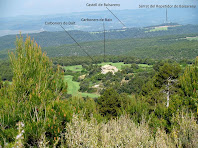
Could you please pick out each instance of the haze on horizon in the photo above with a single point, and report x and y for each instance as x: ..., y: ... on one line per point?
x: 11, y: 8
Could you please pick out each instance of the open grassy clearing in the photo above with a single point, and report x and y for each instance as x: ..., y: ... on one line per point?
x: 158, y: 29
x: 192, y: 38
x: 74, y: 68
x: 118, y: 65
x: 74, y: 86
x: 77, y: 68
x: 145, y: 65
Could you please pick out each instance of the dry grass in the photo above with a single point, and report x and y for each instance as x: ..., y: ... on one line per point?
x: 123, y: 132
x: 185, y: 133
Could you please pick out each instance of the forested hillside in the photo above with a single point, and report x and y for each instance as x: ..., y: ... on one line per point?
x: 174, y: 47
x: 47, y: 39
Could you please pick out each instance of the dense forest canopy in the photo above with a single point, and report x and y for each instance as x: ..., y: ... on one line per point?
x: 167, y: 47
x: 60, y: 44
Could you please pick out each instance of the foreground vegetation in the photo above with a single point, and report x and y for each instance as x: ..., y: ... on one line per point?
x: 156, y: 107
x: 123, y: 132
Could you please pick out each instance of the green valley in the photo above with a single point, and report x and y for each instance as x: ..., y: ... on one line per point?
x: 73, y: 88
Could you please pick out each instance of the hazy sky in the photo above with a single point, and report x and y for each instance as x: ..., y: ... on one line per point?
x: 43, y: 7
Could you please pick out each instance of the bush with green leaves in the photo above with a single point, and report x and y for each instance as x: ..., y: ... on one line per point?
x: 111, y: 104
x: 123, y: 132
x: 189, y: 86
x: 185, y: 129
x: 34, y: 92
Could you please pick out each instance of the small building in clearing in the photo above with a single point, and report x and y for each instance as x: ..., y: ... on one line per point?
x: 108, y: 68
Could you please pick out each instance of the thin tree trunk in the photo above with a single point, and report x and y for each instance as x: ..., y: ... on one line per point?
x: 168, y: 95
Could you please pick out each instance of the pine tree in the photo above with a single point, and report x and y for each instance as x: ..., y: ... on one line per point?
x: 166, y: 78
x: 110, y: 103
x: 33, y: 76
x: 189, y: 85
x: 33, y: 96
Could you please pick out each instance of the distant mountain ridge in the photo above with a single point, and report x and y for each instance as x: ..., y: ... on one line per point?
x: 48, y: 39
x: 131, y: 18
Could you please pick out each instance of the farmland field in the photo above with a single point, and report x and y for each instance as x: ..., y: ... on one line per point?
x: 74, y: 68
x: 192, y: 38
x: 74, y: 86
x: 144, y: 65
x: 118, y: 65
x: 158, y: 29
